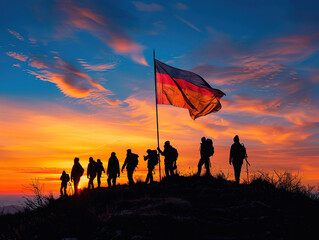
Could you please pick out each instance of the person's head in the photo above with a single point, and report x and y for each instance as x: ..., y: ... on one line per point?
x: 203, y: 139
x: 63, y: 172
x: 76, y: 160
x: 99, y: 160
x: 90, y: 159
x: 129, y: 151
x: 113, y: 154
x: 148, y: 151
x: 236, y: 139
x: 167, y: 144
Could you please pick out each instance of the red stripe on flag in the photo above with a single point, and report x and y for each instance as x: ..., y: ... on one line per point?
x: 183, y: 84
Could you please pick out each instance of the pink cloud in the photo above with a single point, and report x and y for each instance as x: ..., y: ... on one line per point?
x: 16, y: 65
x: 106, y: 29
x: 33, y: 62
x: 71, y: 81
x: 260, y: 63
x: 16, y: 34
x: 18, y: 56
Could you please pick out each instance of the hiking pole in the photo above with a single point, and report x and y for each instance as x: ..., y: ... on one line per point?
x: 247, y: 164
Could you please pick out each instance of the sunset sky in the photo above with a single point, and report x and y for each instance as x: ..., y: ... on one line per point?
x: 77, y: 80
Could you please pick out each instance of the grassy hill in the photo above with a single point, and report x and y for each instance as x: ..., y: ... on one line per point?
x: 176, y: 208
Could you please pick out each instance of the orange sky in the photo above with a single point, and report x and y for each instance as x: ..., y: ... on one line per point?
x: 40, y: 140
x: 77, y: 80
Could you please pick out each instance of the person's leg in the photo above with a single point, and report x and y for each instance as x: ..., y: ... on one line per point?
x: 171, y: 169
x: 76, y: 183
x: 151, y: 174
x: 207, y: 166
x: 109, y: 181
x: 130, y: 177
x: 93, y: 182
x: 200, y: 164
x: 114, y: 181
x: 64, y: 188
x: 237, y: 168
x: 61, y: 193
x: 166, y: 170
x: 99, y: 179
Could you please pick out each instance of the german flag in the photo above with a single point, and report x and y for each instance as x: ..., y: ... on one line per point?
x: 186, y: 89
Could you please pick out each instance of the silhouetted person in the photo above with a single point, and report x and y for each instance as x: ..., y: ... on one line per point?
x: 65, y: 178
x: 131, y: 162
x: 171, y: 155
x: 152, y: 158
x: 91, y: 172
x: 236, y: 157
x: 76, y: 173
x: 99, y: 170
x: 113, y: 169
x: 206, y: 150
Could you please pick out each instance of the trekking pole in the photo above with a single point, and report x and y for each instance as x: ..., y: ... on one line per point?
x: 247, y: 164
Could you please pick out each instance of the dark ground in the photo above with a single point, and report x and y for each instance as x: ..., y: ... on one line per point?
x: 179, y: 208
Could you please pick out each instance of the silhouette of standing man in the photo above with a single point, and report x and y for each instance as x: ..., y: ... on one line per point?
x: 171, y: 155
x: 65, y: 178
x: 236, y: 157
x: 91, y: 172
x: 152, y: 158
x: 99, y: 170
x: 131, y: 162
x: 76, y: 173
x: 206, y: 150
x: 113, y: 169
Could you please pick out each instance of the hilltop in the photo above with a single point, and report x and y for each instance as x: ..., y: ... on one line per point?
x: 176, y: 208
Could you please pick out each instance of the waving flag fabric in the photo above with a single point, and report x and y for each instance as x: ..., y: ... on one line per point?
x: 186, y: 89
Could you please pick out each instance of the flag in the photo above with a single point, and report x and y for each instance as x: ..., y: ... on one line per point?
x: 186, y: 89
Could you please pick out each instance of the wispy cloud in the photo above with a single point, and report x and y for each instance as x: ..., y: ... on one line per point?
x: 18, y: 56
x: 188, y: 23
x: 109, y: 30
x: 70, y: 80
x: 16, y: 34
x: 96, y: 67
x: 16, y: 65
x: 148, y: 7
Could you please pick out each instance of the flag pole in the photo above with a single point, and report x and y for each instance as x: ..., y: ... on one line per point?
x: 159, y: 159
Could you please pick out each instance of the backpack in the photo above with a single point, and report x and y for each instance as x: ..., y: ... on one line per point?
x: 174, y: 154
x: 81, y: 170
x: 134, y: 160
x: 243, y: 152
x: 67, y: 178
x: 154, y: 157
x: 240, y: 152
x: 210, y: 147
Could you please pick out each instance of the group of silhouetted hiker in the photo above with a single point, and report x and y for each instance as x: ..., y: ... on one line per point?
x: 95, y: 168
